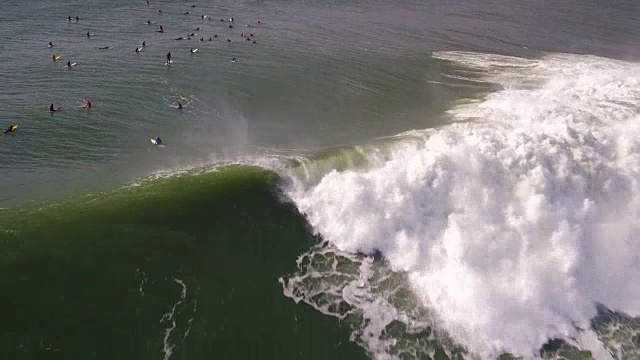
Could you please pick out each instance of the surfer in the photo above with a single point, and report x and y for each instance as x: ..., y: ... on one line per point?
x: 88, y: 34
x: 11, y: 128
x: 230, y: 26
x: 77, y: 18
x: 158, y: 140
x: 50, y: 44
x: 69, y: 18
x: 169, y: 57
x: 144, y: 43
x: 69, y: 63
x: 87, y: 104
x: 191, y: 51
x: 179, y: 105
x: 231, y: 19
x: 201, y: 39
x: 51, y: 109
x: 210, y: 39
x: 187, y: 13
x: 179, y: 38
x: 104, y: 48
x: 192, y: 34
x: 138, y: 49
x: 53, y: 57
x: 235, y: 59
x: 148, y: 22
x: 161, y: 29
x: 147, y: 2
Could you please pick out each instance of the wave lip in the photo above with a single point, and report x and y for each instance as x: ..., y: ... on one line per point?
x: 511, y: 227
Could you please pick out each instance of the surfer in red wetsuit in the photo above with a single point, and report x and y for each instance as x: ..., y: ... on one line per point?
x: 87, y: 104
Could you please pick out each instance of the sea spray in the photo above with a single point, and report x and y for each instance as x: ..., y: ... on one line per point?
x: 510, y: 227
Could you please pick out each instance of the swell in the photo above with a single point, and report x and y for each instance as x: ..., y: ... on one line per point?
x: 169, y: 266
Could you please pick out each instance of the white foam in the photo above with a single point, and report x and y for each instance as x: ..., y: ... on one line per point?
x: 588, y: 340
x: 512, y: 228
x: 167, y: 347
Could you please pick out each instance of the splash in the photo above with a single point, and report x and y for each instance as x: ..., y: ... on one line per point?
x: 512, y: 223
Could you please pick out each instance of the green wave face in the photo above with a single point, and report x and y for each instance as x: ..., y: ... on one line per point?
x: 178, y: 267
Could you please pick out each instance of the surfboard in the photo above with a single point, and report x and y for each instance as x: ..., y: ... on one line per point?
x: 194, y: 50
x: 169, y: 62
x: 73, y: 64
x: 13, y: 129
x: 58, y: 57
x: 56, y: 109
x: 154, y: 142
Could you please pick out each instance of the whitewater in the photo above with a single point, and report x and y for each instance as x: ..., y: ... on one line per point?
x: 511, y: 224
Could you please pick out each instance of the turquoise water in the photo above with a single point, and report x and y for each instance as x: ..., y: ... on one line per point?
x: 369, y: 180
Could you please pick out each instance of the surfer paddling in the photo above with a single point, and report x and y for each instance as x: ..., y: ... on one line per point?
x: 10, y: 129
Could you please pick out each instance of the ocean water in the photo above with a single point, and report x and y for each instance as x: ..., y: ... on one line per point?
x: 371, y: 179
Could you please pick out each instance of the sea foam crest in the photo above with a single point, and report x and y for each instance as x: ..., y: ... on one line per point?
x: 510, y: 227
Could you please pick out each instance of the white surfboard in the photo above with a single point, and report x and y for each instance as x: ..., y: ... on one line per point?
x: 194, y: 50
